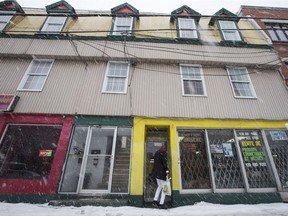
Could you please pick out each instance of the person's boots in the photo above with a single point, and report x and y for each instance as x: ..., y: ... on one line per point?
x: 155, y: 204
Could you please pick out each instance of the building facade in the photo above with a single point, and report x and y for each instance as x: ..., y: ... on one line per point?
x: 272, y: 21
x: 87, y: 98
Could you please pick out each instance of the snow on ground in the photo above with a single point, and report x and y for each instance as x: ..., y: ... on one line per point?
x: 202, y: 208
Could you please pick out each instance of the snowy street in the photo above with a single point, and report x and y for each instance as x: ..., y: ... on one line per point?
x: 275, y: 209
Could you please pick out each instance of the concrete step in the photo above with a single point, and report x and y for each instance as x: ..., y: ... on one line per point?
x: 90, y: 201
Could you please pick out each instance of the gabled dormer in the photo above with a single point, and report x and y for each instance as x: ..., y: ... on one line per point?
x: 227, y: 25
x: 60, y: 7
x: 123, y: 19
x: 9, y: 8
x: 57, y: 16
x: 186, y: 22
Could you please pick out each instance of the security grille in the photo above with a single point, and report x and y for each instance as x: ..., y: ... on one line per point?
x: 194, y: 163
x: 226, y: 167
x: 258, y: 169
x: 278, y: 142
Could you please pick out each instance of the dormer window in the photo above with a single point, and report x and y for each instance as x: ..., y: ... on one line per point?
x: 123, y: 25
x: 229, y: 30
x: 7, y: 9
x: 227, y: 25
x: 123, y: 19
x: 187, y: 20
x: 55, y: 24
x: 187, y: 28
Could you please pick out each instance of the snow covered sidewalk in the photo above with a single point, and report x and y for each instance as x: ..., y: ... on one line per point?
x: 22, y: 209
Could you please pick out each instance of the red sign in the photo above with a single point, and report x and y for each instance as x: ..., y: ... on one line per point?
x: 45, y: 153
x: 8, y: 102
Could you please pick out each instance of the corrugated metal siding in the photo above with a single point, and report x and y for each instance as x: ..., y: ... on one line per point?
x: 155, y: 91
x: 138, y: 50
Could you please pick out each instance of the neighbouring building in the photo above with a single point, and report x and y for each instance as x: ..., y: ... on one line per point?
x: 87, y: 97
x: 272, y: 22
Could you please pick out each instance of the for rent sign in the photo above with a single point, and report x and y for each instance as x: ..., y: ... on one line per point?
x: 8, y: 102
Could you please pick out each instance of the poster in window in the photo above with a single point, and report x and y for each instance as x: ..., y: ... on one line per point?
x: 216, y: 148
x: 278, y: 135
x: 227, y: 148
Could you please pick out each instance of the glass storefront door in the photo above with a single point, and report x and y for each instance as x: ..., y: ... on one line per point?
x: 98, y: 157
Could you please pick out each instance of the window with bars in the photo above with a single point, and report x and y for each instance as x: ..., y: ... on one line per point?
x: 241, y: 83
x: 187, y: 28
x: 5, y: 19
x: 229, y: 30
x: 122, y: 26
x: 192, y: 80
x: 278, y: 31
x: 53, y: 24
x: 116, y: 78
x: 36, y: 75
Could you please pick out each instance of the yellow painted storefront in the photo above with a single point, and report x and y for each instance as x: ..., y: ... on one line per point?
x: 140, y: 125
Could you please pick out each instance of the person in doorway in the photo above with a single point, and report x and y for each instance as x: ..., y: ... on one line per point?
x: 160, y: 170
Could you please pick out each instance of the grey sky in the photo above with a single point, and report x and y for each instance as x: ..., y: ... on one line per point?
x: 205, y: 7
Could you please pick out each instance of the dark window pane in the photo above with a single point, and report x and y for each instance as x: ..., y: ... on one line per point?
x: 27, y: 151
x: 193, y: 87
x: 193, y: 159
x: 225, y: 160
x: 257, y: 166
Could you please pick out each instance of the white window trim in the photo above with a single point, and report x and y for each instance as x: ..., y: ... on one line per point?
x: 115, y: 26
x: 6, y: 23
x: 106, y: 78
x: 44, y: 28
x: 202, y: 79
x: 249, y: 80
x: 237, y: 33
x: 180, y: 29
x: 26, y: 76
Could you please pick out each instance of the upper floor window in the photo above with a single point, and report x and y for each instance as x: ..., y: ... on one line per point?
x: 187, y: 28
x: 229, y: 30
x: 278, y: 31
x: 124, y: 19
x: 53, y: 24
x: 240, y: 82
x: 122, y: 25
x: 116, y: 78
x: 192, y: 80
x: 36, y: 75
x: 4, y: 20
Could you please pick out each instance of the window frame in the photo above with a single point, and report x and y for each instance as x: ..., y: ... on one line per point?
x: 181, y: 30
x: 5, y: 23
x: 115, y: 76
x: 235, y: 31
x: 249, y: 82
x: 46, y: 24
x: 28, y: 73
x: 202, y: 80
x: 116, y: 32
x: 273, y: 31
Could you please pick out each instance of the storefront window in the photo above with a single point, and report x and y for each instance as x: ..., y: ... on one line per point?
x: 193, y: 159
x: 257, y: 166
x: 27, y: 151
x: 278, y: 143
x: 226, y: 167
x: 98, y: 160
x: 75, y: 158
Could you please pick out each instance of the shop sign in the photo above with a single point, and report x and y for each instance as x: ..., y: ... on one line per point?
x: 45, y: 153
x: 8, y: 102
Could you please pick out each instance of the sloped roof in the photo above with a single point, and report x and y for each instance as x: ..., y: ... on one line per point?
x: 185, y: 11
x: 223, y: 14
